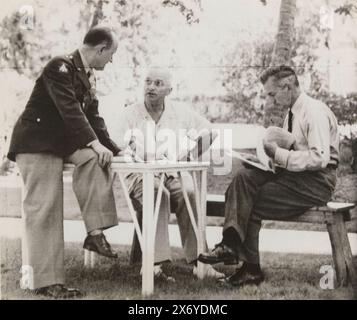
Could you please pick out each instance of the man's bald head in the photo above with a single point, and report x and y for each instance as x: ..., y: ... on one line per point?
x: 99, y: 46
x: 158, y: 85
x: 160, y: 74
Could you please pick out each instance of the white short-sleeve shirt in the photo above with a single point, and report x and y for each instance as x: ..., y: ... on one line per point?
x: 176, y: 130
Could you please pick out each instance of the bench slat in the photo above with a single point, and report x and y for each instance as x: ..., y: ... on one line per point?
x: 331, y: 206
x: 215, y: 197
x: 215, y: 208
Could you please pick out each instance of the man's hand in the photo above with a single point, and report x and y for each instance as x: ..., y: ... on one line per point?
x: 270, y: 148
x: 105, y: 156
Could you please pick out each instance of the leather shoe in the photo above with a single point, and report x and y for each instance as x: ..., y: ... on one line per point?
x: 58, y: 291
x: 244, y: 277
x: 100, y: 245
x: 221, y: 253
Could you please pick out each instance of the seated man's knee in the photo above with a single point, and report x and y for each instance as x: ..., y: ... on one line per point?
x: 191, y: 194
x: 243, y: 174
x: 85, y: 156
x: 242, y: 177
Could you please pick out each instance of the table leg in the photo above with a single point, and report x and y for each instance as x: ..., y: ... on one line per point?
x: 202, y: 220
x: 148, y: 235
x: 200, y: 195
x: 131, y: 209
x: 86, y: 258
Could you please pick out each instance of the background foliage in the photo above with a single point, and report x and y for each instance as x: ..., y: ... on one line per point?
x: 170, y: 33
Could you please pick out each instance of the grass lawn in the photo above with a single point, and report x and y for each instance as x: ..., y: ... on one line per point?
x: 288, y: 276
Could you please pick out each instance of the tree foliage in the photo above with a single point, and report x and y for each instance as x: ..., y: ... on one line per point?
x: 347, y: 9
x: 244, y: 92
x: 21, y: 49
x: 187, y: 12
x: 25, y: 48
x: 239, y: 57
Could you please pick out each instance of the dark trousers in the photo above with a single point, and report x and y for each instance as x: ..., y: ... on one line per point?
x: 254, y: 195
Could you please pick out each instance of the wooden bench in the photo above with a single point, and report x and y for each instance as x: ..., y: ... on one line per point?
x: 333, y: 215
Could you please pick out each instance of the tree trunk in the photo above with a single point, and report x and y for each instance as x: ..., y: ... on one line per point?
x: 274, y: 116
x: 98, y: 14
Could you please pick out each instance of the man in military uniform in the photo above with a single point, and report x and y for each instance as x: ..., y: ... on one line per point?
x: 61, y: 123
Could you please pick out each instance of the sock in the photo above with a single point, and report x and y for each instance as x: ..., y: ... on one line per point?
x: 95, y: 232
x: 231, y: 238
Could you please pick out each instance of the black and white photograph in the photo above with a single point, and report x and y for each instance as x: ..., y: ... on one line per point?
x: 178, y: 150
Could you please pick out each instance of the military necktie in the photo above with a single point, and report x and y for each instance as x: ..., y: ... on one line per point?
x: 92, y: 81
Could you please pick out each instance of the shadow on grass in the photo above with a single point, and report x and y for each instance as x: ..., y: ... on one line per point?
x: 288, y: 276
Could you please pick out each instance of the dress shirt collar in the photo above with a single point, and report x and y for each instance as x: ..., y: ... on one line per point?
x: 84, y: 61
x: 299, y: 102
x: 165, y: 113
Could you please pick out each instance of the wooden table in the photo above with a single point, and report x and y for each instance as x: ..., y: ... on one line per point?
x: 151, y: 208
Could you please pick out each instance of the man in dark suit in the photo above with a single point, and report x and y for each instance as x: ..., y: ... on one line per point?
x: 61, y: 123
x: 305, y: 175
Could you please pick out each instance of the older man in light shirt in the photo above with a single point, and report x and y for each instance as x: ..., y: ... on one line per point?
x: 306, y: 177
x: 169, y: 128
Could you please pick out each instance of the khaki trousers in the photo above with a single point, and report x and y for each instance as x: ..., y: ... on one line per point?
x: 43, y: 209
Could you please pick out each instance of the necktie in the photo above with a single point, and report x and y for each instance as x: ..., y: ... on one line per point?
x: 92, y: 81
x: 290, y: 121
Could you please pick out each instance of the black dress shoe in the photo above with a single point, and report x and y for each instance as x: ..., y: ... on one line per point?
x: 221, y: 253
x: 243, y: 276
x: 58, y: 291
x: 100, y: 245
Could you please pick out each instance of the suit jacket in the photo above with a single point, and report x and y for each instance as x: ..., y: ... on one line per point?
x: 61, y: 115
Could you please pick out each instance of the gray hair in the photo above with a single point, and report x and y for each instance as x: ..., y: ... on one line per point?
x: 278, y: 73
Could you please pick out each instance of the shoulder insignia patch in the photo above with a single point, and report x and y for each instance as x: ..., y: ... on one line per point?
x: 63, y: 68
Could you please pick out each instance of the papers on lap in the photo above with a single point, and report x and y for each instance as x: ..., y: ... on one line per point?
x: 280, y: 136
x: 254, y: 161
x: 260, y: 160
